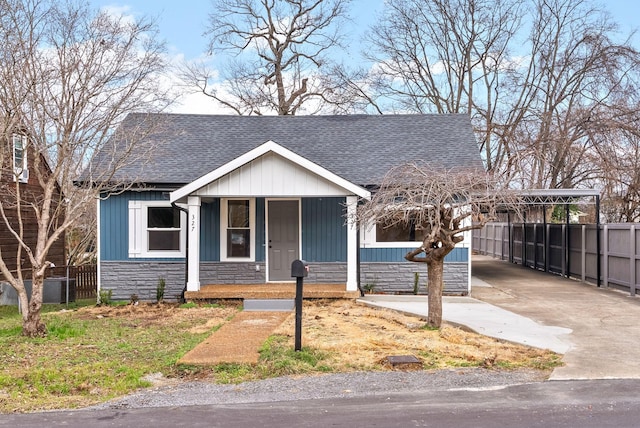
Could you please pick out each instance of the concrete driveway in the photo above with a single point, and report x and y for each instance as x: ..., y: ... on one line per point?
x: 604, y: 341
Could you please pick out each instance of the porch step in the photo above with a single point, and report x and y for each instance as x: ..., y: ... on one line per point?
x: 264, y: 305
x: 270, y: 291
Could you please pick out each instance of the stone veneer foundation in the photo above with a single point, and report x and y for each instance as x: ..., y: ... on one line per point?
x: 141, y: 278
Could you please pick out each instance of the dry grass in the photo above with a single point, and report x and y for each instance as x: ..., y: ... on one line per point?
x: 93, y: 354
x: 360, y: 337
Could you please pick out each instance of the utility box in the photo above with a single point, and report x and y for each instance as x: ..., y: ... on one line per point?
x: 54, y: 291
x: 299, y: 269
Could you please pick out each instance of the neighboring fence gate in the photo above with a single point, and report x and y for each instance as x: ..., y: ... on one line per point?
x: 570, y: 251
x: 86, y: 281
x: 83, y: 280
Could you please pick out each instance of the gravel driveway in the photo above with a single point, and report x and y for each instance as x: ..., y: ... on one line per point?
x: 322, y: 386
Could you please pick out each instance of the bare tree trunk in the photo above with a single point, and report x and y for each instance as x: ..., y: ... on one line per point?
x: 74, y: 75
x: 32, y: 325
x: 435, y: 271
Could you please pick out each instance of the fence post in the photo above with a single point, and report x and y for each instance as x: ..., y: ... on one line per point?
x: 632, y: 260
x: 547, y: 246
x: 564, y: 249
x: 524, y: 244
x: 493, y: 242
x: 535, y: 246
x: 510, y: 237
x: 502, y: 234
x: 583, y: 253
x: 605, y: 255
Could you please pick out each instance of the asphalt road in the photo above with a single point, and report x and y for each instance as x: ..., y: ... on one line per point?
x: 584, y: 404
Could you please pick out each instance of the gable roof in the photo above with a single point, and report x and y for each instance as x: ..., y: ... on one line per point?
x: 268, y: 147
x: 357, y: 148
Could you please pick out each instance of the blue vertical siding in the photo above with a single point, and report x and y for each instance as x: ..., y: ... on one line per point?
x: 368, y: 255
x: 210, y: 231
x: 324, y: 233
x: 260, y: 230
x: 114, y: 222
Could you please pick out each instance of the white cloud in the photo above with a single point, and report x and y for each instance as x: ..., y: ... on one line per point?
x: 188, y: 99
x: 124, y: 12
x: 197, y: 103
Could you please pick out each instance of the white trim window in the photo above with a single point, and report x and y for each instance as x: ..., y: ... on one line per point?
x: 395, y: 236
x: 20, y: 165
x: 401, y: 235
x: 155, y: 230
x: 237, y: 229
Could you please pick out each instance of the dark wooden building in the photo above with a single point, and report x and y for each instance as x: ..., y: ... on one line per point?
x: 18, y: 179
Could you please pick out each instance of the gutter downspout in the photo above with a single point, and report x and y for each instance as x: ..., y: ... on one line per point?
x: 186, y: 257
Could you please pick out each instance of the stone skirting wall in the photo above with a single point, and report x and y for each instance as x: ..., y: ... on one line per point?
x: 232, y: 273
x: 126, y: 278
x: 398, y: 278
x: 327, y: 273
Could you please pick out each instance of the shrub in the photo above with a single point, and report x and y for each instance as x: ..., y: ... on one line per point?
x: 105, y: 297
x: 160, y: 290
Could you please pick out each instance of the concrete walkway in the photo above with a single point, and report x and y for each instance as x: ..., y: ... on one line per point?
x: 597, y: 330
x: 237, y: 341
x: 482, y: 318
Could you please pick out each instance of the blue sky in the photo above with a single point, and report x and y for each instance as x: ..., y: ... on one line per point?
x: 182, y: 24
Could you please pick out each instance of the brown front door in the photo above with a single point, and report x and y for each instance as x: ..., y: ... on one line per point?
x: 283, y: 239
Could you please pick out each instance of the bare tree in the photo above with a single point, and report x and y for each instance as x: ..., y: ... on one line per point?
x: 441, y: 205
x: 81, y: 237
x: 446, y: 56
x: 565, y: 103
x: 69, y: 76
x: 541, y: 92
x: 619, y: 163
x: 280, y: 55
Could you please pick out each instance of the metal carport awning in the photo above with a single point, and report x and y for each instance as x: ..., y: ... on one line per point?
x: 545, y: 197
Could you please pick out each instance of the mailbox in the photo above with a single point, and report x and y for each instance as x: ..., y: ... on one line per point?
x: 299, y: 269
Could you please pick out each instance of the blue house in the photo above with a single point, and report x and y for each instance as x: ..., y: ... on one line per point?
x: 235, y: 199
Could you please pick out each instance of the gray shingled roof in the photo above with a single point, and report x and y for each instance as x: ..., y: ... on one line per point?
x: 358, y: 148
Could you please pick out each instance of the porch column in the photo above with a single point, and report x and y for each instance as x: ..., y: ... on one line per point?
x: 352, y: 244
x: 193, y: 256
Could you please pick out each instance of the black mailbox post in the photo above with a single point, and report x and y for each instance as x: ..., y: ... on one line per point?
x: 299, y: 270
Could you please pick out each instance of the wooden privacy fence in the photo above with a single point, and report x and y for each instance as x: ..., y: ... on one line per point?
x: 86, y: 281
x: 83, y: 280
x: 569, y: 250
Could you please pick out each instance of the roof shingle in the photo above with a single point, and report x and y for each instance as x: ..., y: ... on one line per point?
x: 358, y: 148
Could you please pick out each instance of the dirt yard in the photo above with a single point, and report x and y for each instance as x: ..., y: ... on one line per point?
x: 359, y: 336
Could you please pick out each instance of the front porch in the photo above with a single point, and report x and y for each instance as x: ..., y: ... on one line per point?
x: 281, y: 290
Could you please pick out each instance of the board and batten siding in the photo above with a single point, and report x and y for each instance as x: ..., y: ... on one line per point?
x: 114, y: 223
x: 114, y: 226
x: 210, y: 231
x: 382, y: 255
x: 270, y: 175
x: 324, y: 232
